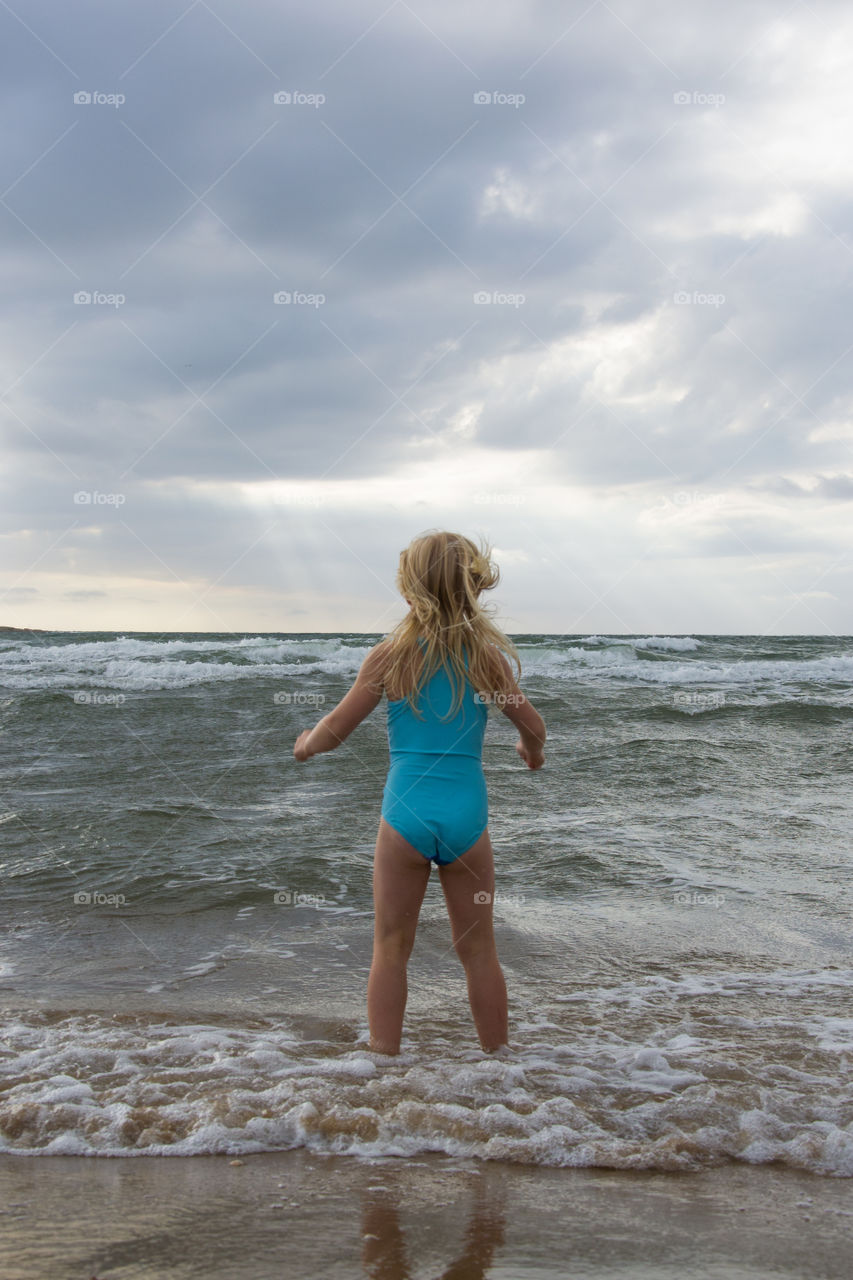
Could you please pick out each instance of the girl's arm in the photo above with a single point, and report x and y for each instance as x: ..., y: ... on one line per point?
x: 364, y: 695
x: 525, y: 717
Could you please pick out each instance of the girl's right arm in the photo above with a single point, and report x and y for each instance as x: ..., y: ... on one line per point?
x: 525, y: 717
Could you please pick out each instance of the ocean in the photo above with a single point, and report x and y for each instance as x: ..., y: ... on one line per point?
x: 187, y: 911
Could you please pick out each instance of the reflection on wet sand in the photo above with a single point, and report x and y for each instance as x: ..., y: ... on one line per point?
x: 384, y: 1252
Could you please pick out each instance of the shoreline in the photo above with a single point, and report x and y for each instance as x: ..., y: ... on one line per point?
x: 298, y: 1214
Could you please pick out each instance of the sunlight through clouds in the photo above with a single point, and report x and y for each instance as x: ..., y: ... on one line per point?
x: 574, y: 280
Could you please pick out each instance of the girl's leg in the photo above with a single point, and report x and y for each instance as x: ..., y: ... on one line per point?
x: 469, y: 886
x: 400, y: 876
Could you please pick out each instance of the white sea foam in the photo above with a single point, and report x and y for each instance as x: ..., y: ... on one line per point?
x: 616, y: 662
x: 679, y: 1098
x: 147, y: 665
x: 128, y: 663
x: 675, y: 644
x: 791, y: 982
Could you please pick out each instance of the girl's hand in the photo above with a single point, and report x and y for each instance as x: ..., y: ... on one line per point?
x: 533, y: 759
x: 299, y: 747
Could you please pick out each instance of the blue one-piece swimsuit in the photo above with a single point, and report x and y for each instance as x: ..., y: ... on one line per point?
x: 435, y: 793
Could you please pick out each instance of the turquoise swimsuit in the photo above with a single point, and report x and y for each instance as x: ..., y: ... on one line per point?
x: 435, y: 793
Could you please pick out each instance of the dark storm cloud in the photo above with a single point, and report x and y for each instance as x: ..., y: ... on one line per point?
x: 601, y: 199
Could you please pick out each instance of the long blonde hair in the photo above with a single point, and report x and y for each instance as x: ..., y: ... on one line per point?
x: 442, y: 575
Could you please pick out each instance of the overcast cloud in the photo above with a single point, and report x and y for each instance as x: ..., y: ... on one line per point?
x: 648, y: 419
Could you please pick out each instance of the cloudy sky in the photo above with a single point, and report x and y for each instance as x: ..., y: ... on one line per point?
x: 285, y: 286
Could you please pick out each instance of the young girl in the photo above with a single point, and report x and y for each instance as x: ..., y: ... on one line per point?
x: 440, y: 667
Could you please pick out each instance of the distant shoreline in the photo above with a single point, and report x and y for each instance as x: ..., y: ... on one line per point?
x: 40, y: 631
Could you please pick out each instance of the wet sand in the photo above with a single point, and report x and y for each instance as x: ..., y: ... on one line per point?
x: 294, y: 1214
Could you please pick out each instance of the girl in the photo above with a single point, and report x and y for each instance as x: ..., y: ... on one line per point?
x: 440, y: 668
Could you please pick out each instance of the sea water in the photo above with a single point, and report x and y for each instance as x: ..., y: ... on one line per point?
x: 187, y: 911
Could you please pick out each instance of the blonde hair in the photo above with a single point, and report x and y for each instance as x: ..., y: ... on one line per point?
x: 442, y: 575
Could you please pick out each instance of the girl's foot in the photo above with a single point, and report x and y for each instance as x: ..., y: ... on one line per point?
x: 380, y: 1048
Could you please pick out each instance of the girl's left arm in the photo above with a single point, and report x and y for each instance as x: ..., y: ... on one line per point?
x: 364, y: 695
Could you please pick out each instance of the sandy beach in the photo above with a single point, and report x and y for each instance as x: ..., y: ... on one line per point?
x: 294, y: 1214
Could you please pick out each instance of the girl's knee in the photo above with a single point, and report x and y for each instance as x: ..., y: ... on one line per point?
x: 393, y: 944
x: 475, y: 952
